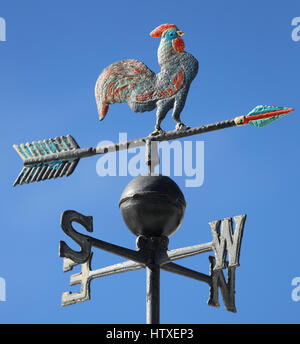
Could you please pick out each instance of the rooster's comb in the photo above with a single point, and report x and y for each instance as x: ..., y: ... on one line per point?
x: 157, y: 32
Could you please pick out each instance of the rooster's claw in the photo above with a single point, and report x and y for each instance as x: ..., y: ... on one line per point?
x: 157, y: 132
x: 181, y: 126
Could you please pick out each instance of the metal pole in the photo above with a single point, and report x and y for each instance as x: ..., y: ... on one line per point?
x: 153, y: 294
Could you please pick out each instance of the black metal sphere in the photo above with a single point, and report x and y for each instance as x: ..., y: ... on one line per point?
x: 152, y: 206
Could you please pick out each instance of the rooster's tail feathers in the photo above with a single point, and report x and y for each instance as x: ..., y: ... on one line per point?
x: 102, y: 110
x: 118, y: 81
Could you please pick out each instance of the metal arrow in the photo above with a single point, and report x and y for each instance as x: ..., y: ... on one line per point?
x: 58, y: 157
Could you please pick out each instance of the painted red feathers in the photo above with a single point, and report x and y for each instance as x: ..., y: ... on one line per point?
x: 133, y: 82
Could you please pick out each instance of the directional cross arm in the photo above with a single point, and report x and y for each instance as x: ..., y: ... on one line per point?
x: 138, y: 260
x: 116, y: 269
x: 86, y: 242
x: 189, y: 251
x: 152, y: 254
x: 124, y: 252
x: 86, y: 275
x: 181, y: 270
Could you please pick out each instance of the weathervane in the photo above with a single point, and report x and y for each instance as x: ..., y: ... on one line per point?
x: 152, y: 206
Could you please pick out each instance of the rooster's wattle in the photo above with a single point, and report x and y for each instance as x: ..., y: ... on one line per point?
x: 132, y: 82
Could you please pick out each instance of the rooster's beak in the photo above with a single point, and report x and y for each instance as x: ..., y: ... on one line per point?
x: 180, y: 33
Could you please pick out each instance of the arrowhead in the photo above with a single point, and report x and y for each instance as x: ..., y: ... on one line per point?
x: 265, y: 114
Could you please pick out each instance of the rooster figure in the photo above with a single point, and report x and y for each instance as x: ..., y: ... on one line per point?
x: 132, y: 82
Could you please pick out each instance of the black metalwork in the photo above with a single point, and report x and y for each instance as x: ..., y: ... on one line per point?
x: 152, y: 206
x: 148, y: 206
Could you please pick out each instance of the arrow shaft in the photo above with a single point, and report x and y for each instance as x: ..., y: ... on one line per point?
x: 73, y: 154
x: 91, y: 151
x: 58, y: 157
x: 170, y: 135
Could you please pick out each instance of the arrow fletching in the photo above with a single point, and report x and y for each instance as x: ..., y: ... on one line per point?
x: 42, y: 159
x: 262, y: 115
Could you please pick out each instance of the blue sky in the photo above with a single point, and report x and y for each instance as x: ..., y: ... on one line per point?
x: 53, y: 55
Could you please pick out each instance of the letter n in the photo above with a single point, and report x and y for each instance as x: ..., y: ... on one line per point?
x: 227, y: 289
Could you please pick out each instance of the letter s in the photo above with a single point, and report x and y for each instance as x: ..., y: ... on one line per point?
x: 82, y: 240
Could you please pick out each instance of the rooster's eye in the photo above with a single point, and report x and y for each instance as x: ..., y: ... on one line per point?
x: 171, y: 35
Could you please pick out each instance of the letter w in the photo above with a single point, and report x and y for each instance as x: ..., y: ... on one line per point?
x: 225, y: 241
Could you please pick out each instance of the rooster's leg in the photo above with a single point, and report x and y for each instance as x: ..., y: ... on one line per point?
x: 161, y: 113
x: 178, y: 107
